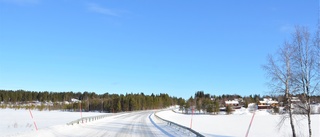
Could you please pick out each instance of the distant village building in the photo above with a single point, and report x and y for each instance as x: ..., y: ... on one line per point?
x: 298, y: 106
x: 267, y: 103
x: 295, y: 100
x: 73, y: 100
x: 35, y: 103
x: 315, y: 108
x: 66, y: 102
x: 234, y: 103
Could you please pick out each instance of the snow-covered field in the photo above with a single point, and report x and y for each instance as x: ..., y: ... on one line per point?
x: 14, y: 122
x: 53, y: 123
x: 18, y: 123
x: 236, y: 125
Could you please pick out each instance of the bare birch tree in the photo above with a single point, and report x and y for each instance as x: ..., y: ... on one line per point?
x: 305, y: 66
x: 317, y: 49
x: 279, y: 70
x: 297, y: 71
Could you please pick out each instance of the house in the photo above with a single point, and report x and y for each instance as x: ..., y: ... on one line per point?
x: 73, y: 100
x: 66, y: 102
x: 298, y: 106
x: 267, y: 103
x: 234, y: 103
x: 315, y: 108
x: 295, y: 100
x: 35, y: 103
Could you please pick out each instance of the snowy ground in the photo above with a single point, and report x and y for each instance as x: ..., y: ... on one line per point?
x: 15, y: 123
x: 18, y: 123
x: 236, y: 125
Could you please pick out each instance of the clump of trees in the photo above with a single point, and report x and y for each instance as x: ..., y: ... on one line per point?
x: 90, y: 101
x: 295, y: 70
x: 201, y: 102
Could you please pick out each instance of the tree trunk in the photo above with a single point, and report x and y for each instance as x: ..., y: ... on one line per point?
x: 292, y: 124
x: 291, y: 118
x: 309, y: 119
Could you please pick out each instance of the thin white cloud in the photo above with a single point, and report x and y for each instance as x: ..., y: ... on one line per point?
x: 98, y: 9
x: 21, y: 2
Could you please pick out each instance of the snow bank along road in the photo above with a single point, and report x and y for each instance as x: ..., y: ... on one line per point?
x: 135, y: 124
x: 236, y: 125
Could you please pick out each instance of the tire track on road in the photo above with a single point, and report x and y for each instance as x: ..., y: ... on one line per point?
x: 128, y: 130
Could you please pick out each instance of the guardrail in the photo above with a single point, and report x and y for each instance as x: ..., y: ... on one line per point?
x: 88, y: 119
x: 93, y: 118
x: 180, y: 127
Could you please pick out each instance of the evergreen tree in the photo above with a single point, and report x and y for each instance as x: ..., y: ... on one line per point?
x: 216, y: 107
x: 229, y: 109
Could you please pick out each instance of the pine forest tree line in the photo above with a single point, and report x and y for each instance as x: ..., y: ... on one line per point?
x: 90, y: 101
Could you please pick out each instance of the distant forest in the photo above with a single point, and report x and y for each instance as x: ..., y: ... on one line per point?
x: 90, y: 101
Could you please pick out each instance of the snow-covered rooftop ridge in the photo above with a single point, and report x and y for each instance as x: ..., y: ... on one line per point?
x: 75, y: 100
x: 295, y: 99
x: 268, y: 101
x: 232, y: 102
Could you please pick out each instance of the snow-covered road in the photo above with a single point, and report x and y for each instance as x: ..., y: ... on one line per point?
x: 135, y: 124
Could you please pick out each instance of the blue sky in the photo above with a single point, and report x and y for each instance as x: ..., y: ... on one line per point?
x: 169, y: 46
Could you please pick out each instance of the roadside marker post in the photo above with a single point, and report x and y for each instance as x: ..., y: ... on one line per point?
x: 191, y: 119
x: 34, y: 122
x: 81, y: 111
x: 250, y: 123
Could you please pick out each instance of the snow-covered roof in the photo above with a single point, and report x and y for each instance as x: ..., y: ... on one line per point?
x: 268, y: 101
x: 295, y: 99
x: 74, y: 100
x: 232, y: 102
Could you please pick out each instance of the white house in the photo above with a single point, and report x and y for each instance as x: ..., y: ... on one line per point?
x: 267, y: 103
x: 232, y: 103
x: 73, y: 100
